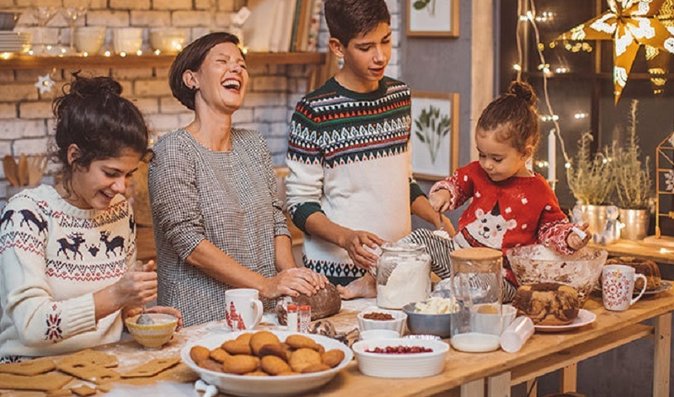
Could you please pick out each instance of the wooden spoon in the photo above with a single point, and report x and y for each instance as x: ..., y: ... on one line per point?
x: 22, y: 175
x: 11, y: 170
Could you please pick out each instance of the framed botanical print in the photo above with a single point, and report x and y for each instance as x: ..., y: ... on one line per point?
x: 435, y: 134
x: 433, y: 18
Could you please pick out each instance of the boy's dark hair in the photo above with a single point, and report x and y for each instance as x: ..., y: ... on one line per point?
x: 515, y: 113
x: 350, y: 18
x: 95, y: 117
x: 191, y: 58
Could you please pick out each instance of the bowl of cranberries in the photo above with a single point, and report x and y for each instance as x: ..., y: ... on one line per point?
x: 400, y: 358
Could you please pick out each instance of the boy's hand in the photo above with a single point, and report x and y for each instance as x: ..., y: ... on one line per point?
x: 575, y: 240
x: 439, y: 200
x: 354, y: 241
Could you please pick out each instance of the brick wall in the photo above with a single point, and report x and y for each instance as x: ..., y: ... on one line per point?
x: 26, y: 123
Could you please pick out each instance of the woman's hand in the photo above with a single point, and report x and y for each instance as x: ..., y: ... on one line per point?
x: 355, y: 242
x: 575, y: 241
x: 293, y: 282
x: 439, y: 200
x: 136, y: 287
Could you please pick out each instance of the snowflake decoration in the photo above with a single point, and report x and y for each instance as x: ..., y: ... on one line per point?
x: 44, y: 84
x: 669, y: 181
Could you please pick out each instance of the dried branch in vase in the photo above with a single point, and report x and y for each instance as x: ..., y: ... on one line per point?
x: 590, y: 177
x: 633, y: 177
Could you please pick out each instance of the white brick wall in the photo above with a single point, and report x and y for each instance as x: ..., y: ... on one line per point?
x: 26, y: 122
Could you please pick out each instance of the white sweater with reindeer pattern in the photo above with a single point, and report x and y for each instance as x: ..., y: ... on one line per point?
x: 53, y: 257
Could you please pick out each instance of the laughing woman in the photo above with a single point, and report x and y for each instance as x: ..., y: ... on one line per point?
x: 218, y: 222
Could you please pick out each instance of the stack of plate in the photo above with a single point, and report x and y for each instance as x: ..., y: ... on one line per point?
x: 14, y: 41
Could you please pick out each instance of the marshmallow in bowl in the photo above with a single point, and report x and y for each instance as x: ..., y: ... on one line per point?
x: 437, y: 305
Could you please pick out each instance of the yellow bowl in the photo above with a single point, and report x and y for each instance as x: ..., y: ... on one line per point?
x: 153, y: 336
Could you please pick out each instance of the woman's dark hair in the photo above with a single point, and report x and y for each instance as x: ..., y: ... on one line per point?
x: 191, y: 58
x: 514, y: 114
x: 350, y: 18
x: 92, y: 115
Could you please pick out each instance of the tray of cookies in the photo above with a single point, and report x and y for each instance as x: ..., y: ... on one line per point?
x: 266, y: 363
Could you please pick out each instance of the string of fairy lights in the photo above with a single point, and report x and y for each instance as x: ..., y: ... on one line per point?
x: 529, y: 17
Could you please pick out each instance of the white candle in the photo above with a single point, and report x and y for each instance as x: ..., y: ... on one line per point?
x: 552, y: 156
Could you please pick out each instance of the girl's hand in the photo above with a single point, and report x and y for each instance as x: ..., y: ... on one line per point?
x: 439, y: 200
x: 293, y: 282
x: 354, y: 243
x: 575, y: 240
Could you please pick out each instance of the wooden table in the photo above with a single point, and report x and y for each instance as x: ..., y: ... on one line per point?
x: 639, y: 250
x: 492, y: 374
x: 474, y: 375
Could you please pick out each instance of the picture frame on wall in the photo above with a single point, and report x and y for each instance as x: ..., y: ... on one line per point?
x: 432, y: 18
x: 435, y: 134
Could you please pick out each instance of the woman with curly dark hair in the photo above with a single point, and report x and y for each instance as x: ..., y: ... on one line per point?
x: 68, y: 252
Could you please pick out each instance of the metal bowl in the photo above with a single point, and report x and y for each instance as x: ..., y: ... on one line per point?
x: 427, y: 324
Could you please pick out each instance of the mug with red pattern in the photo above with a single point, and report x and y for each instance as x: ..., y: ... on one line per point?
x: 243, y: 308
x: 617, y: 287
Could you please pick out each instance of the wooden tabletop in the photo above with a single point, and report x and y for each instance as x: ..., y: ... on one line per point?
x: 639, y: 249
x: 462, y: 368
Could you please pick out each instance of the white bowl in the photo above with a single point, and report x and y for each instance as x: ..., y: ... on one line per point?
x: 414, y: 365
x: 491, y: 323
x: 127, y: 40
x: 89, y: 39
x: 379, y: 334
x: 239, y: 385
x: 396, y: 324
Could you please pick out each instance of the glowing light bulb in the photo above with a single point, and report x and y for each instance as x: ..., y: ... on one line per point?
x: 517, y: 67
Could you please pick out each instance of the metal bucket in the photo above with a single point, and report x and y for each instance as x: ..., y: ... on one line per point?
x: 595, y: 216
x: 635, y: 224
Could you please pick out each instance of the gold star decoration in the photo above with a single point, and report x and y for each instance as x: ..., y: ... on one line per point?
x: 630, y: 24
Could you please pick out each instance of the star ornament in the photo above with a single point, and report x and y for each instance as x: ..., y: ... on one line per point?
x: 44, y: 84
x: 630, y: 24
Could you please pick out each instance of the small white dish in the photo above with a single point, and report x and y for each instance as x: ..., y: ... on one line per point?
x: 585, y: 317
x: 413, y: 365
x: 474, y: 342
x: 379, y: 334
x: 396, y: 324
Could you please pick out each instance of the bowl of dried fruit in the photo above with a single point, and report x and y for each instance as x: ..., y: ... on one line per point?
x: 377, y: 318
x: 266, y: 363
x: 400, y: 358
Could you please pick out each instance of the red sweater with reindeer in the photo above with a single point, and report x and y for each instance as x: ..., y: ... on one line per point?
x: 502, y: 215
x: 53, y: 257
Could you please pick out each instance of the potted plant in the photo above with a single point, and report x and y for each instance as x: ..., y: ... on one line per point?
x: 590, y: 178
x: 633, y: 184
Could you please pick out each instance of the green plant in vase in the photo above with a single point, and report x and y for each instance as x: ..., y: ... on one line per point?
x: 431, y: 129
x: 591, y: 180
x: 590, y: 177
x: 634, y: 183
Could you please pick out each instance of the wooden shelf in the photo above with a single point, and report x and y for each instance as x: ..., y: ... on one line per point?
x: 150, y: 60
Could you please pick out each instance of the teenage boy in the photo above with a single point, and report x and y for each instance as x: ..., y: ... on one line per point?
x: 350, y: 186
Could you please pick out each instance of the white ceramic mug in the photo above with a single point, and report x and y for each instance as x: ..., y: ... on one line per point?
x: 89, y: 39
x: 243, y: 308
x: 127, y: 40
x: 617, y: 287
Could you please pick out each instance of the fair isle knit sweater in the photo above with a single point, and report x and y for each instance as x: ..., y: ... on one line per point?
x: 349, y: 157
x: 53, y: 257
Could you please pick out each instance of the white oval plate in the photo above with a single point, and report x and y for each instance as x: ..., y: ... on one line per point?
x: 585, y: 317
x: 240, y: 385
